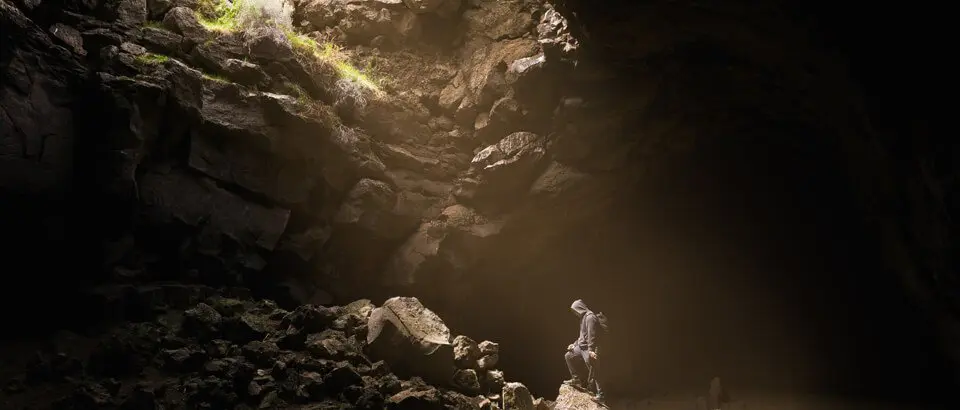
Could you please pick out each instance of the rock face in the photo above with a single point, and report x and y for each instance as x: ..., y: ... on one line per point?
x: 221, y: 151
x: 240, y: 142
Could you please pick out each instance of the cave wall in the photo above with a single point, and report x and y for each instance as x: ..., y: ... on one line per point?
x: 699, y: 155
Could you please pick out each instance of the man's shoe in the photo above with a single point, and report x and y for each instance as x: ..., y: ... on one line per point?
x: 575, y: 383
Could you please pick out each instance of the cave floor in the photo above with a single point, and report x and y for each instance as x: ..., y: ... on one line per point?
x: 756, y: 402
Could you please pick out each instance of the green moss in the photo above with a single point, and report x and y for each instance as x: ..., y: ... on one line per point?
x: 329, y: 53
x: 154, y: 24
x: 215, y: 77
x: 152, y: 59
x: 220, y: 15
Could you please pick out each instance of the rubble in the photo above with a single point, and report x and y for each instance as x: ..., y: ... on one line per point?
x: 229, y: 352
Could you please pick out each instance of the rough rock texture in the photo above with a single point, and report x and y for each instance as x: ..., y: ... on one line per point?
x: 194, y: 347
x: 571, y: 398
x: 491, y: 148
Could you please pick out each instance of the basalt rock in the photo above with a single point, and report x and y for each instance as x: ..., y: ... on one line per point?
x: 229, y: 350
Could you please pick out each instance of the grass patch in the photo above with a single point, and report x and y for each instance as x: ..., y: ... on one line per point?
x: 152, y: 59
x: 329, y: 53
x: 154, y: 24
x: 220, y: 15
x: 215, y: 77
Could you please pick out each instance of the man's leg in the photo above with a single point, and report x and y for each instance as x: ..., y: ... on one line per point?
x: 593, y: 381
x: 574, y: 359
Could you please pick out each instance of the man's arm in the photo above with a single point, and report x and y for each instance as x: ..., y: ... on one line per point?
x: 592, y: 323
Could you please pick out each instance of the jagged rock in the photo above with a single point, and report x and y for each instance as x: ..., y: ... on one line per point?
x: 161, y: 41
x: 465, y: 352
x: 497, y: 21
x: 360, y: 307
x: 487, y: 347
x: 183, y: 21
x: 467, y: 381
x: 244, y: 72
x: 184, y: 359
x: 542, y: 404
x: 504, y: 118
x: 395, y: 120
x: 371, y: 206
x: 516, y: 396
x: 37, y: 123
x: 132, y: 12
x: 395, y: 154
x: 457, y: 239
x: 489, y: 355
x: 427, y: 399
x: 506, y: 168
x: 268, y: 43
x: 212, y: 56
x: 202, y: 322
x: 363, y: 22
x: 69, y: 36
x: 157, y: 8
x: 493, y: 380
x: 560, y: 181
x: 571, y: 398
x: 554, y: 36
x: 310, y: 318
x: 412, y: 339
x: 535, y: 87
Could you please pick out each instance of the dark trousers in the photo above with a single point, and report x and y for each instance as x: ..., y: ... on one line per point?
x: 583, y: 368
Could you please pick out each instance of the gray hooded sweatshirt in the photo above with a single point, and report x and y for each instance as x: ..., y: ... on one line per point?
x: 589, y: 328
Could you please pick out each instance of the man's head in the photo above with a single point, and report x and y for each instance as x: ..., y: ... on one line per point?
x: 579, y: 308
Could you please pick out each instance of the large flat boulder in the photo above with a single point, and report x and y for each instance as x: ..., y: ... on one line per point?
x: 412, y: 339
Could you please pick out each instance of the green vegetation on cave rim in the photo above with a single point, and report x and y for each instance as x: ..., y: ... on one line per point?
x: 151, y: 58
x: 224, y: 16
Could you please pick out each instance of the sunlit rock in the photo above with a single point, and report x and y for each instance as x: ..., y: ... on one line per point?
x: 571, y: 398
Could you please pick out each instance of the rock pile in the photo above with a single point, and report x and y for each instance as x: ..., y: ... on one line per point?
x: 230, y: 351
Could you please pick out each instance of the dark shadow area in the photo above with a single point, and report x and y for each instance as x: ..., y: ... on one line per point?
x: 748, y: 262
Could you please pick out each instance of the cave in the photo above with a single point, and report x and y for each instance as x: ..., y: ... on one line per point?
x: 757, y: 193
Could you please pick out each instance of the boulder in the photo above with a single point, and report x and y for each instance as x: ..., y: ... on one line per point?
x: 411, y: 339
x: 268, y: 43
x: 571, y: 398
x: 553, y: 34
x: 489, y: 355
x: 69, y: 37
x: 465, y: 352
x: 183, y: 21
x: 516, y: 396
x: 466, y: 381
x: 132, y: 12
x: 493, y: 380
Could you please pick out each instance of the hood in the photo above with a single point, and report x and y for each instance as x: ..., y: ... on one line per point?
x: 579, y: 307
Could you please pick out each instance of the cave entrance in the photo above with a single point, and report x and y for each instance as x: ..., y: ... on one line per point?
x: 747, y: 261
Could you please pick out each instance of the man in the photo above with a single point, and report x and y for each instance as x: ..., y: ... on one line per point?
x: 583, y: 352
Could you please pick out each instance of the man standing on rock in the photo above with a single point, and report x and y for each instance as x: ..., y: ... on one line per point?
x: 583, y: 352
